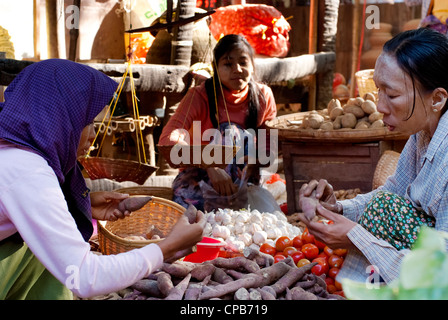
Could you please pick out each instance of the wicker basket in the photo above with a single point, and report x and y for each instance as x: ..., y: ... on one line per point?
x: 227, y: 153
x: 364, y: 80
x: 385, y: 167
x: 159, y: 212
x: 288, y: 127
x: 155, y: 191
x: 116, y: 169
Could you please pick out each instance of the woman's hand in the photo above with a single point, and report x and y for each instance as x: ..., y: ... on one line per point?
x: 182, y: 237
x: 333, y: 235
x: 105, y: 205
x: 323, y: 191
x: 221, y: 181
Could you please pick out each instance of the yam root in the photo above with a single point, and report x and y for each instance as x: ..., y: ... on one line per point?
x: 235, y: 263
x: 202, y: 271
x: 133, y: 203
x: 191, y: 213
x: 291, y: 277
x: 261, y: 258
x: 149, y: 287
x: 178, y: 269
x: 178, y: 291
x: 164, y: 283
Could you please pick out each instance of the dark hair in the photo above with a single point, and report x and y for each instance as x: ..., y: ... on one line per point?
x: 226, y: 44
x: 423, y: 54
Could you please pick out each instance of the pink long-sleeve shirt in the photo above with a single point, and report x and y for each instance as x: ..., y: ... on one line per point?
x: 32, y: 203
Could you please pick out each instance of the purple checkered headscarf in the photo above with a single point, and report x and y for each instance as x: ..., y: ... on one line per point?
x: 46, y: 107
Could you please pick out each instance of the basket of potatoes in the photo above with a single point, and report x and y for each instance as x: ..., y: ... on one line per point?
x: 357, y: 120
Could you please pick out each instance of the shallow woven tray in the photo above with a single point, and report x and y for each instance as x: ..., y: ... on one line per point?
x: 288, y: 129
x: 117, y: 169
x: 155, y: 191
x: 385, y: 167
x: 227, y: 154
x: 159, y: 212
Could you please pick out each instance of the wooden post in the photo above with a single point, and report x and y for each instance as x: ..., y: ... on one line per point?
x: 312, y: 47
x: 355, y: 45
x: 52, y: 28
x: 74, y: 34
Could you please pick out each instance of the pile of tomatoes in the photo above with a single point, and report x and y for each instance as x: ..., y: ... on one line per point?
x: 305, y: 249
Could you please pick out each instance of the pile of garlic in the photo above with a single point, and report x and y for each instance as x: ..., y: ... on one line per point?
x: 244, y: 228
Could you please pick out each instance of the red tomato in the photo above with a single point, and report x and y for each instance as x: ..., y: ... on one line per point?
x: 333, y: 272
x: 297, y: 256
x: 340, y: 252
x: 321, y: 267
x: 319, y: 244
x: 338, y: 79
x: 339, y: 293
x: 323, y: 255
x: 335, y: 261
x: 331, y: 288
x: 328, y: 251
x: 329, y: 281
x: 282, y: 243
x: 307, y: 237
x: 303, y: 262
x: 284, y: 208
x: 267, y: 248
x: 279, y: 257
x: 310, y: 250
x: 297, y: 242
x: 289, y: 251
x: 338, y: 285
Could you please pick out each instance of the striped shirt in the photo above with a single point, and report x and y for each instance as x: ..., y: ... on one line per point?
x: 421, y: 177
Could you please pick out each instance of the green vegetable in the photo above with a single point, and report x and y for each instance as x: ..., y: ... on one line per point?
x: 423, y: 274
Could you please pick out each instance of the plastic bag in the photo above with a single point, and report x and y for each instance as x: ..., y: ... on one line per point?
x: 261, y: 199
x: 213, y: 200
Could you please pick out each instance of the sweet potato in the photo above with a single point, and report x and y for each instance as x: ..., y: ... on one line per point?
x: 178, y: 291
x: 220, y: 276
x: 149, y: 287
x: 133, y: 203
x: 178, y: 269
x: 191, y: 213
x: 235, y: 263
x: 298, y: 293
x: 261, y: 258
x: 291, y: 277
x: 164, y: 283
x: 241, y: 294
x: 202, y: 271
x: 266, y: 294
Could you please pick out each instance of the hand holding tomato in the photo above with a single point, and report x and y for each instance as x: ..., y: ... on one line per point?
x: 333, y: 235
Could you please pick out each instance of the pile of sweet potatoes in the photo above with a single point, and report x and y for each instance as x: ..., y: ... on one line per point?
x: 253, y: 276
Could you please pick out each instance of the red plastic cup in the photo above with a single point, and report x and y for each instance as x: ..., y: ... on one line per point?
x: 207, y: 249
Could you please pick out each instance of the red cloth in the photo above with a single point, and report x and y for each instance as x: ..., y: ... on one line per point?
x: 264, y: 27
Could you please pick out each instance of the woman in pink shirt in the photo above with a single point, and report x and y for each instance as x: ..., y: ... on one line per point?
x: 231, y: 99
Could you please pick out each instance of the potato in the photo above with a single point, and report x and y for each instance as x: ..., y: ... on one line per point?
x: 368, y: 106
x: 337, y: 111
x: 375, y: 116
x: 377, y: 124
x: 327, y: 125
x: 352, y: 102
x: 348, y: 120
x: 356, y: 110
x: 362, y: 125
x: 333, y: 104
x: 359, y: 101
x: 337, y: 122
x: 315, y: 120
x: 369, y: 96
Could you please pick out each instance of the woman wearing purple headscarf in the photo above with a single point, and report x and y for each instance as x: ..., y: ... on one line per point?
x: 45, y: 207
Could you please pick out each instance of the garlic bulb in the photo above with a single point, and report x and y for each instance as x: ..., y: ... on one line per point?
x: 260, y: 237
